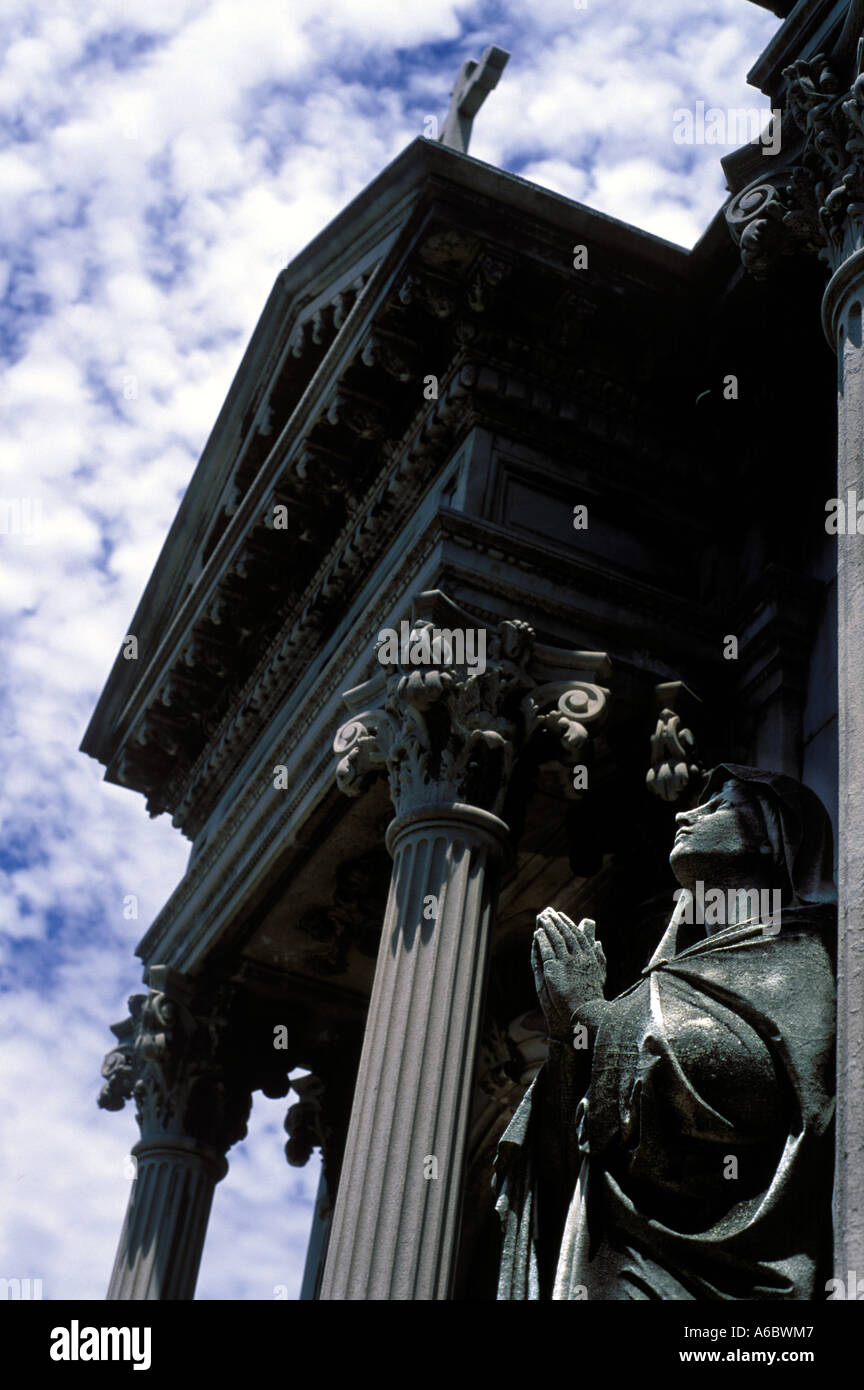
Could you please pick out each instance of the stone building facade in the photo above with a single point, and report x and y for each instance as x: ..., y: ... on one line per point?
x: 473, y: 405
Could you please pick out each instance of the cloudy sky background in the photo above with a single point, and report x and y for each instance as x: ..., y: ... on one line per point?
x: 158, y: 165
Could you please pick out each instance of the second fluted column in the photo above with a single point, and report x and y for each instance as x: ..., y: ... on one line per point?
x: 447, y: 733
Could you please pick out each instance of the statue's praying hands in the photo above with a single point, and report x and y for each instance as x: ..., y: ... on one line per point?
x: 569, y: 968
x: 612, y: 1178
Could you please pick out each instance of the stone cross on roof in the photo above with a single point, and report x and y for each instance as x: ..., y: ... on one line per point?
x: 473, y: 84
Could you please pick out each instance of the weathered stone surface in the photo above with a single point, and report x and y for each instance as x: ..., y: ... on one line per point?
x: 815, y: 205
x: 447, y: 727
x: 192, y: 1103
x: 473, y: 84
x: 432, y: 393
x: 658, y: 1117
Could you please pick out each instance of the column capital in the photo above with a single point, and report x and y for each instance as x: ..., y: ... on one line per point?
x: 170, y: 1059
x: 813, y: 203
x: 453, y: 704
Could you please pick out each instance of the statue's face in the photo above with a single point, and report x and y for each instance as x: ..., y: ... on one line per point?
x: 722, y: 834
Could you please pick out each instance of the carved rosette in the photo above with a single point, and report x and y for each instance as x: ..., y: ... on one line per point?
x: 171, y: 1062
x: 448, y: 733
x: 816, y: 206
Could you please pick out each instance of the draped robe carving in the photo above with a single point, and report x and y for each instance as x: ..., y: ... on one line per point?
x: 690, y: 1155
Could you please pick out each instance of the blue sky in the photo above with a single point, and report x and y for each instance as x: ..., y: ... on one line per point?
x: 158, y: 165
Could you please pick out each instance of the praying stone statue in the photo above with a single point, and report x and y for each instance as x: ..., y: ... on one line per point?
x: 678, y: 1141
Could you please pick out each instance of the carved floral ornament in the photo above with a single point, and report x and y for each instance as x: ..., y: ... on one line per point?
x: 815, y: 206
x: 672, y: 757
x: 676, y: 765
x: 168, y: 1060
x: 451, y: 732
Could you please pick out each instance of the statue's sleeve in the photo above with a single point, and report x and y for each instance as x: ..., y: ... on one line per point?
x: 535, y: 1170
x: 513, y: 1184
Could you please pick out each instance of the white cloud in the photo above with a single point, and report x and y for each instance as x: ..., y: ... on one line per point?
x: 160, y: 167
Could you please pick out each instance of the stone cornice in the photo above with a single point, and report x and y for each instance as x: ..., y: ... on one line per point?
x: 330, y: 261
x: 630, y: 600
x: 185, y: 684
x: 356, y: 547
x: 432, y: 436
x: 193, y: 642
x: 212, y: 605
x: 218, y: 603
x: 232, y: 862
x: 210, y: 893
x: 196, y: 653
x: 810, y: 26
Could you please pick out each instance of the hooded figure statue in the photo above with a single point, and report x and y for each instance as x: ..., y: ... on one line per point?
x: 678, y: 1141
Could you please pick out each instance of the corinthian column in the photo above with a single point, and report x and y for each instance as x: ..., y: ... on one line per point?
x: 189, y: 1113
x: 446, y: 735
x: 815, y: 204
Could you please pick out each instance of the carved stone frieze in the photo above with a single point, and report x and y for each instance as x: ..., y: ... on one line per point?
x: 396, y: 356
x: 345, y: 485
x: 436, y: 296
x: 349, y: 556
x: 492, y: 271
x: 321, y: 470
x: 320, y: 327
x: 449, y: 250
x: 203, y: 652
x: 357, y: 413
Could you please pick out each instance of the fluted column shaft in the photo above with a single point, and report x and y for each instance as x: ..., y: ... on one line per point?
x: 174, y: 1059
x: 395, y: 1225
x: 814, y: 203
x: 448, y: 712
x: 842, y: 315
x: 166, y: 1222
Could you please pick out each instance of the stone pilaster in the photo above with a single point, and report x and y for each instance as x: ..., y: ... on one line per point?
x: 447, y: 736
x: 849, y: 1187
x: 815, y: 204
x: 189, y: 1110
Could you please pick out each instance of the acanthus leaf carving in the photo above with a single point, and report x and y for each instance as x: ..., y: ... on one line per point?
x: 816, y: 206
x: 446, y: 730
x: 170, y: 1061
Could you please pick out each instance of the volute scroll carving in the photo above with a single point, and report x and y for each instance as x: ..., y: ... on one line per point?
x: 815, y: 205
x: 172, y: 1062
x: 448, y: 729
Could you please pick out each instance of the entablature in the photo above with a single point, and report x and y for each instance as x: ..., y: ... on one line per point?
x: 462, y: 298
